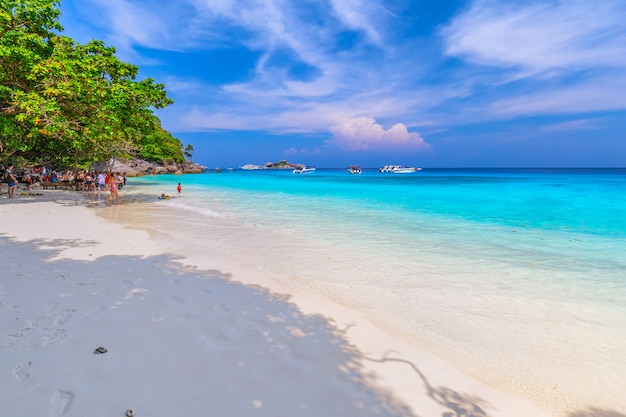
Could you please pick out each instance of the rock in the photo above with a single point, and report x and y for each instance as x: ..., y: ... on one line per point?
x: 138, y: 167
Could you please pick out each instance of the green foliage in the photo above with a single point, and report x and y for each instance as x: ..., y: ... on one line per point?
x: 281, y: 164
x: 189, y: 151
x: 160, y: 146
x: 65, y: 103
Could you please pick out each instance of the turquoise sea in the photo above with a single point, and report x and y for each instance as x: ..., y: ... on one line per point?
x: 517, y: 276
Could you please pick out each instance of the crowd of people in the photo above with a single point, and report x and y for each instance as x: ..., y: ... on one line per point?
x: 86, y: 180
x: 82, y: 180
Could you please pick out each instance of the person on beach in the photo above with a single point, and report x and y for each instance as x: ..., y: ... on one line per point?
x: 179, y: 188
x: 28, y: 180
x: 101, y: 181
x: 120, y: 180
x: 11, y: 181
x: 88, y: 182
x: 113, y: 190
x: 80, y: 181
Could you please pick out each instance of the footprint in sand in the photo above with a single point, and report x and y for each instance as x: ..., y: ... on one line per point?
x: 21, y: 371
x: 14, y: 340
x: 47, y: 338
x: 61, y: 401
x: 7, y: 342
x: 62, y: 316
x: 34, y: 322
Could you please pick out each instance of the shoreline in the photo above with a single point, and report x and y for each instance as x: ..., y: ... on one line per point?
x: 424, y: 383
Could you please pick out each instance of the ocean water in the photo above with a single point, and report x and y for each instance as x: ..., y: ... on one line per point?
x: 516, y: 276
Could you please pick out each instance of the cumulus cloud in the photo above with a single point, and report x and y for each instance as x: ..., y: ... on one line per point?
x: 363, y: 133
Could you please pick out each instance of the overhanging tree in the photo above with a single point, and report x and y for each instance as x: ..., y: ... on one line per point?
x: 66, y: 103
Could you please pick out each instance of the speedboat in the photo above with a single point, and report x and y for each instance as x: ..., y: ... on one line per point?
x: 303, y: 169
x: 399, y: 169
x: 355, y: 170
x: 405, y: 170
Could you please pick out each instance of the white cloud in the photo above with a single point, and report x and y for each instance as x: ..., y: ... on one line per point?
x: 275, y: 115
x: 363, y: 133
x: 319, y: 64
x: 540, y: 36
x: 179, y: 84
x: 591, y: 96
x: 343, y: 81
x: 352, y: 14
x: 294, y: 151
x: 131, y: 24
x: 196, y: 120
x: 291, y: 151
x: 574, y: 125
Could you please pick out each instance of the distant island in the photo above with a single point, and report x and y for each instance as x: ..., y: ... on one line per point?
x: 273, y: 165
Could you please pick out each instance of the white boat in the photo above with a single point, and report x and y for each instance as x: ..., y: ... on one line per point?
x: 355, y: 170
x: 251, y: 167
x: 405, y: 170
x: 399, y: 169
x: 303, y: 169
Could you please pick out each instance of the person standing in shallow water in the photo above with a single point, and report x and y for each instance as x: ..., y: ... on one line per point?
x: 179, y: 188
x: 113, y: 190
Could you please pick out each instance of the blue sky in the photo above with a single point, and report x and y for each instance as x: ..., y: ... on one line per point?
x: 484, y: 83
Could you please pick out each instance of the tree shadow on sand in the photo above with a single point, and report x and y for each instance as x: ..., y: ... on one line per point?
x: 254, y: 351
x: 458, y: 404
x: 596, y: 412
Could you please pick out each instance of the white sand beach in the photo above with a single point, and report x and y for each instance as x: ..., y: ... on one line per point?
x: 192, y: 334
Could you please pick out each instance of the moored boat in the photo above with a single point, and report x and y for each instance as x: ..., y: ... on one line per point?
x: 251, y: 167
x: 399, y: 169
x: 355, y: 170
x: 303, y: 169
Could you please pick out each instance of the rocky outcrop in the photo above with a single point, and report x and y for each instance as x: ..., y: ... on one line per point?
x: 273, y: 165
x: 138, y: 167
x: 282, y: 164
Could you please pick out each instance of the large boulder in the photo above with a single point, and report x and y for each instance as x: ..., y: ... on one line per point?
x: 138, y: 167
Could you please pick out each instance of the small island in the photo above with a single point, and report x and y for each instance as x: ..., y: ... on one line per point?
x: 272, y: 165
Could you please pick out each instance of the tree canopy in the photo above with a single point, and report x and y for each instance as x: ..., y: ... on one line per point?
x: 63, y: 103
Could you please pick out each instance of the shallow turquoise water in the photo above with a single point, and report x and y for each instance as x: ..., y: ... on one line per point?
x: 515, y: 274
x: 593, y: 200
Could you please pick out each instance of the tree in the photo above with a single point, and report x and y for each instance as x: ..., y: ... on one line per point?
x: 25, y: 28
x: 161, y: 146
x: 65, y: 103
x: 189, y: 152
